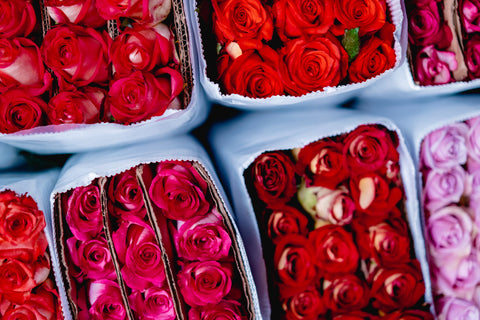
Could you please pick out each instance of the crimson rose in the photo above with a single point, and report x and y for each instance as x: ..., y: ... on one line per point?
x: 83, y: 12
x: 368, y: 15
x: 17, y: 18
x: 20, y: 111
x: 284, y: 220
x: 84, y: 215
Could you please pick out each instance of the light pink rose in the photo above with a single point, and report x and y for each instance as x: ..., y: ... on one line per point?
x: 84, y: 212
x: 81, y: 12
x: 445, y: 147
x: 125, y: 196
x: 460, y: 282
x: 449, y: 308
x: 335, y: 206
x: 224, y: 310
x: 203, y: 283
x: 469, y: 11
x: 443, y: 187
x: 156, y: 11
x: 472, y: 140
x: 434, y: 66
x: 106, y: 300
x: 155, y: 304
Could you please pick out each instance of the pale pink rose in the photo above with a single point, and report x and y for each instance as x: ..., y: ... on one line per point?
x: 154, y: 304
x: 82, y: 12
x: 449, y: 308
x: 335, y: 206
x: 84, y: 212
x: 106, y: 300
x: 460, y: 282
x: 434, y: 66
x: 443, y: 187
x: 156, y: 12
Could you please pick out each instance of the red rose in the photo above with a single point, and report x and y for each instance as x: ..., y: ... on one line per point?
x: 84, y: 105
x: 146, y: 12
x: 77, y: 55
x: 312, y: 63
x: 472, y: 56
x: 284, y: 220
x: 322, y: 163
x: 398, y: 287
x: 252, y: 74
x: 368, y: 15
x: 106, y: 301
x: 224, y: 310
x: 141, y: 48
x: 411, y: 314
x: 368, y: 148
x: 305, y: 305
x: 179, y: 190
x: 20, y: 111
x: 154, y: 304
x: 237, y: 20
x: 297, y: 18
x: 375, y: 57
x: 84, y: 212
x: 18, y: 18
x: 346, y: 293
x: 335, y: 252
x: 141, y: 96
x: 18, y: 55
x: 125, y: 196
x: 81, y: 12
x: 356, y: 315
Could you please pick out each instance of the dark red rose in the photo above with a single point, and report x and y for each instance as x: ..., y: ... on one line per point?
x: 273, y: 175
x: 356, y: 315
x: 20, y: 111
x: 368, y: 15
x: 17, y: 18
x: 346, y: 293
x: 304, y: 305
x: 411, y: 314
x: 284, y: 220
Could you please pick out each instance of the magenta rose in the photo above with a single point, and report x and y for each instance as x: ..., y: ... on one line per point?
x: 426, y: 27
x: 84, y: 212
x: 92, y: 257
x: 284, y: 220
x: 106, y: 301
x: 179, y: 190
x: 203, y: 238
x: 457, y: 280
x: 18, y: 18
x: 204, y: 283
x: 445, y: 147
x: 469, y: 11
x: 81, y: 12
x: 84, y: 105
x: 23, y: 54
x: 224, y: 310
x: 145, y: 12
x: 77, y: 55
x: 154, y: 304
x: 138, y: 250
x: 450, y: 308
x: 434, y: 66
x: 142, y: 95
x: 125, y: 195
x: 335, y: 206
x: 346, y: 293
x: 443, y: 187
x: 472, y: 56
x: 306, y: 305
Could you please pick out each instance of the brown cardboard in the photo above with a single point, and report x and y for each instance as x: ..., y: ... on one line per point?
x: 450, y: 12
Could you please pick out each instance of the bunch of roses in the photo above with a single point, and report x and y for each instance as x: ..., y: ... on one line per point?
x: 127, y: 79
x: 117, y: 259
x: 27, y: 288
x: 439, y: 54
x: 296, y: 47
x: 450, y: 167
x: 335, y: 239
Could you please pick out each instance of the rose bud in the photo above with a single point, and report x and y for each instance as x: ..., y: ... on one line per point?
x: 156, y: 305
x: 313, y: 63
x: 284, y: 220
x: 322, y: 163
x: 224, y: 310
x: 411, y: 314
x: 472, y: 56
x: 141, y: 96
x: 375, y: 57
x: 84, y: 105
x: 459, y: 280
x: 443, y: 187
x: 84, y: 214
x: 106, y: 300
x: 203, y: 238
x: 306, y: 305
x: 18, y: 18
x: 77, y: 55
x: 297, y: 18
x: 252, y: 73
x: 138, y: 250
x: 179, y: 190
x: 18, y: 55
x: 239, y: 20
x: 335, y: 251
x: 204, y: 283
x: 273, y: 176
x: 445, y: 147
x: 346, y: 293
x: 125, y: 196
x: 434, y: 66
x: 397, y: 287
x: 143, y: 49
x: 450, y: 308
x: 469, y: 11
x: 368, y: 15
x: 81, y: 12
x: 155, y: 12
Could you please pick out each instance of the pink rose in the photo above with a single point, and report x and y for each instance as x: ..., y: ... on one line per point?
x: 18, y: 18
x: 469, y: 11
x: 434, y: 66
x: 457, y: 280
x: 20, y: 111
x: 284, y: 220
x: 84, y: 105
x: 137, y: 248
x: 156, y: 10
x: 77, y: 55
x: 472, y: 56
x: 143, y: 49
x: 204, y: 283
x: 125, y: 196
x: 334, y: 206
x: 84, y: 212
x: 346, y: 293
x: 203, y: 238
x: 155, y: 304
x: 426, y: 27
x: 23, y: 54
x: 472, y: 142
x: 449, y: 308
x: 224, y: 310
x: 81, y: 12
x: 92, y: 257
x: 445, y: 147
x: 106, y: 301
x: 179, y: 190
x: 305, y: 305
x: 443, y: 187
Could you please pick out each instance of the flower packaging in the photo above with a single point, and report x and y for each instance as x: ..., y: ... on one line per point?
x: 115, y: 73
x: 144, y: 232
x: 329, y: 202
x: 10, y: 157
x: 28, y: 288
x: 267, y: 54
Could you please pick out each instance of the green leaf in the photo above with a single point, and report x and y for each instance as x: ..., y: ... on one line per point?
x: 219, y: 48
x: 351, y: 43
